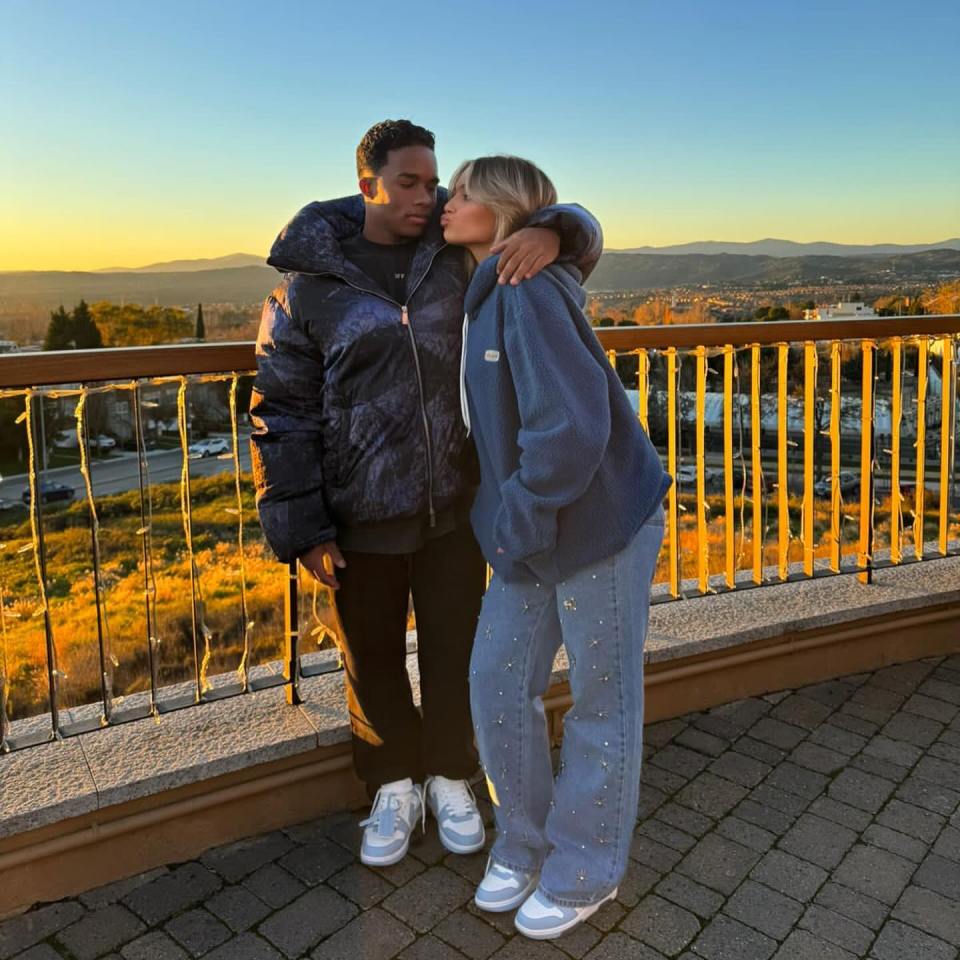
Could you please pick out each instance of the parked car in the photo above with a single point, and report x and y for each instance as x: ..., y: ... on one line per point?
x: 130, y: 443
x: 50, y: 492
x: 211, y: 447
x: 67, y: 440
x: 687, y: 474
x: 849, y: 483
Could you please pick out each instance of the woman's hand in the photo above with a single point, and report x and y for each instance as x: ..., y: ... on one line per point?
x: 525, y: 253
x: 316, y: 562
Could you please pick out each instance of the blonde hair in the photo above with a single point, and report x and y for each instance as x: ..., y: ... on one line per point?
x: 511, y: 187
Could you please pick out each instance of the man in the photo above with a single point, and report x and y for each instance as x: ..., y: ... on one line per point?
x: 364, y: 470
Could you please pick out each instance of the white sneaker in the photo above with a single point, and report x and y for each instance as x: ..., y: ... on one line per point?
x: 541, y: 919
x: 458, y: 820
x: 502, y: 889
x: 397, y: 809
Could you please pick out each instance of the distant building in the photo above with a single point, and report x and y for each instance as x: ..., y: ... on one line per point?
x: 840, y: 311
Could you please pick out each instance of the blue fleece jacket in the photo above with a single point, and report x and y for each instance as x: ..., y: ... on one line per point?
x: 567, y: 475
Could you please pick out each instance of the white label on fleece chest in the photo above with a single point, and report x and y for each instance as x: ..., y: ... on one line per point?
x: 492, y: 355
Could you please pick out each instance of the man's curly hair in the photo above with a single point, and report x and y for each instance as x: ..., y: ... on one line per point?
x: 385, y: 136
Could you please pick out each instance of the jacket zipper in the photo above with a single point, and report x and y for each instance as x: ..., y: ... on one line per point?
x: 405, y: 320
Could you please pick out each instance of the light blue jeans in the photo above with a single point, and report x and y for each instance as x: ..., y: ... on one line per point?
x: 576, y: 829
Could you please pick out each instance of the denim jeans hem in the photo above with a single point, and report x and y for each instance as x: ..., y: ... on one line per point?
x: 575, y: 902
x: 516, y: 867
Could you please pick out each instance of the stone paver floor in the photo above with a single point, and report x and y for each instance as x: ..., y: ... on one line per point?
x: 815, y: 824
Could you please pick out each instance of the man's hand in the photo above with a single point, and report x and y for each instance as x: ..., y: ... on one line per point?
x: 525, y: 253
x: 322, y: 561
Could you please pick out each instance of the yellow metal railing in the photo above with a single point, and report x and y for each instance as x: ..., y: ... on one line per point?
x: 773, y: 432
x: 820, y: 407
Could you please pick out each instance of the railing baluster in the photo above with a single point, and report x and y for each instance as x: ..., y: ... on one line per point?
x: 146, y: 551
x: 3, y: 662
x: 673, y: 501
x: 896, y: 416
x: 291, y: 624
x: 106, y: 664
x: 643, y: 389
x: 836, y: 500
x: 703, y: 569
x: 946, y: 439
x: 40, y: 563
x: 809, y: 438
x: 756, y: 429
x: 865, y: 554
x: 730, y: 559
x: 196, y: 616
x: 783, y: 483
x: 920, y: 490
x: 246, y: 624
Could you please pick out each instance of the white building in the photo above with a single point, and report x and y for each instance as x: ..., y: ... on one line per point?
x: 846, y: 310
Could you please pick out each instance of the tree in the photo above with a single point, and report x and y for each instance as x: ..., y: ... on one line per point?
x: 60, y: 335
x: 86, y: 333
x: 133, y: 325
x: 13, y: 435
x: 201, y: 333
x: 72, y: 331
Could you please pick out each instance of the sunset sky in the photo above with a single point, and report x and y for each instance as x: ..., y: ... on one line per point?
x: 138, y: 132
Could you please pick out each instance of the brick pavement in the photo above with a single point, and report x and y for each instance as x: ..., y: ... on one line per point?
x: 815, y: 824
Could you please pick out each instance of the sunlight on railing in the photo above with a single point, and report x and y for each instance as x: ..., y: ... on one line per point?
x: 795, y: 458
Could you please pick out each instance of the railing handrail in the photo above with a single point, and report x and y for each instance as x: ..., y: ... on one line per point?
x: 119, y: 363
x: 770, y: 332
x: 18, y: 370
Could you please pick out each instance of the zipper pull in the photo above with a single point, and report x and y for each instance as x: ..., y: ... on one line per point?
x: 404, y: 319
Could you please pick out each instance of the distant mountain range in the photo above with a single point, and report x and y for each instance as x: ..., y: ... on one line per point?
x: 230, y: 261
x: 790, y: 248
x: 48, y: 289
x: 648, y: 271
x: 194, y: 281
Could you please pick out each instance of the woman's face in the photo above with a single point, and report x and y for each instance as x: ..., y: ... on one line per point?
x: 467, y: 222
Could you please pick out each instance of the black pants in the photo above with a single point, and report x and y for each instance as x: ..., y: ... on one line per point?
x: 390, y: 738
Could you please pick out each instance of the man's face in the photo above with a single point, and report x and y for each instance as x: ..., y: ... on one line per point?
x: 403, y: 193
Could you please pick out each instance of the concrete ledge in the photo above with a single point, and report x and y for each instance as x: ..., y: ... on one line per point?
x: 114, y: 802
x: 703, y: 624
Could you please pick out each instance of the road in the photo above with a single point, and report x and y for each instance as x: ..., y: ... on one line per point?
x: 119, y: 473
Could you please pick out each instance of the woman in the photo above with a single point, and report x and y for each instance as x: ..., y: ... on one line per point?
x: 568, y: 515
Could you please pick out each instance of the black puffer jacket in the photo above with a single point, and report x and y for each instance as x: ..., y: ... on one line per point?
x: 356, y: 414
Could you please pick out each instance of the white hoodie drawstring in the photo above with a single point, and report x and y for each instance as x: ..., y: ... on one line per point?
x: 464, y: 406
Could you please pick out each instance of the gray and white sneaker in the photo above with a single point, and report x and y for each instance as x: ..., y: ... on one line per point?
x: 458, y: 821
x: 502, y: 889
x: 541, y: 919
x: 397, y: 809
